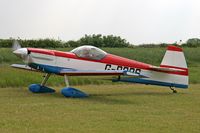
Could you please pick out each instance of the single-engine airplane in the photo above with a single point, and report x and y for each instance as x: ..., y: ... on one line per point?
x: 90, y: 61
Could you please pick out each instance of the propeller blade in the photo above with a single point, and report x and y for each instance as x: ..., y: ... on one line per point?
x: 27, y: 59
x: 15, y: 45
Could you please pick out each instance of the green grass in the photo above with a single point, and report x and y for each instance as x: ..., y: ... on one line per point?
x: 7, y: 57
x: 194, y: 74
x: 110, y: 108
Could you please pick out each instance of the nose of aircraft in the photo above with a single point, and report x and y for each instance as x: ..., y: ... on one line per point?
x: 22, y: 52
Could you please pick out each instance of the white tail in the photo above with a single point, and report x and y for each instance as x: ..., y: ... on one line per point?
x: 173, y: 71
x: 174, y: 58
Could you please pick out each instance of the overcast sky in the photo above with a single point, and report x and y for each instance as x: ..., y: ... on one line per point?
x: 138, y: 21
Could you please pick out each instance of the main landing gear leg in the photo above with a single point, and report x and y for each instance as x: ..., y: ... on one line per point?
x: 72, y: 92
x: 46, y: 77
x: 66, y: 81
x: 173, y: 90
x: 41, y: 88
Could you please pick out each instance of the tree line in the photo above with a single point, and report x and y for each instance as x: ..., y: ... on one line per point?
x: 94, y: 40
x: 192, y: 42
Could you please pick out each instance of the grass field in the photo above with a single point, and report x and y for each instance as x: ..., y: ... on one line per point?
x: 110, y: 108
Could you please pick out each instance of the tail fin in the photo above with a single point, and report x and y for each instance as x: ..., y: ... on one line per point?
x: 174, y: 58
x: 173, y: 71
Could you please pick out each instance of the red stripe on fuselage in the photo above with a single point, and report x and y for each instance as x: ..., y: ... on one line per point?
x: 120, y: 61
x: 41, y: 51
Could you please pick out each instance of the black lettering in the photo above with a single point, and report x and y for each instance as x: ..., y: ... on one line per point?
x: 107, y: 67
x: 119, y: 67
x: 125, y: 68
x: 138, y: 71
x: 132, y: 70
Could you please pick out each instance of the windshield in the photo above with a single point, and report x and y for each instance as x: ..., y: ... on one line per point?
x: 89, y: 52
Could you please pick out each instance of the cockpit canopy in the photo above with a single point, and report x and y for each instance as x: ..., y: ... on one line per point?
x: 89, y: 52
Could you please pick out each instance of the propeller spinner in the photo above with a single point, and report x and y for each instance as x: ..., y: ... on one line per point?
x: 20, y: 52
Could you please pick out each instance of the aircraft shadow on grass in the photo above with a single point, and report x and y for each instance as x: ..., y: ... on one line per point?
x: 113, y: 98
x: 106, y: 98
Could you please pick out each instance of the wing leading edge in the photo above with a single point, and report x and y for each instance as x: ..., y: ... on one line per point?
x: 74, y: 72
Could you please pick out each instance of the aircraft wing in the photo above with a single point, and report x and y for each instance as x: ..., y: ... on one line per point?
x: 75, y: 72
x: 72, y: 72
x: 24, y: 67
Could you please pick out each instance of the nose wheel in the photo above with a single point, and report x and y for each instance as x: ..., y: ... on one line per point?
x: 41, y: 88
x: 173, y: 90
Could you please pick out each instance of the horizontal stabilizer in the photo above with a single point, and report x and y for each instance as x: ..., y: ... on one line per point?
x: 166, y: 69
x: 134, y: 75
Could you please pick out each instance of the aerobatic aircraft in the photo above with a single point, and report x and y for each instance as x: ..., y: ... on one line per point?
x: 90, y: 61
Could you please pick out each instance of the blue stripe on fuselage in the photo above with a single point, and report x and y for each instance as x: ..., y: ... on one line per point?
x: 48, y: 68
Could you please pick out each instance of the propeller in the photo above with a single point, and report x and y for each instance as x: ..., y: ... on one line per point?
x: 27, y: 59
x: 15, y: 45
x: 21, y: 52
